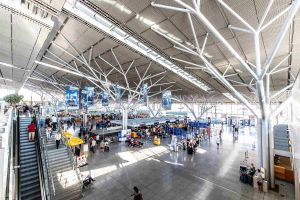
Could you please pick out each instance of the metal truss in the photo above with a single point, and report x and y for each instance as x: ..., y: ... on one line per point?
x: 82, y: 67
x: 190, y: 101
x: 262, y: 73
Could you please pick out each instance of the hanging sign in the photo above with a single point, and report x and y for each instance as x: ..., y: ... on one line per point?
x: 104, y: 98
x: 117, y: 92
x: 83, y: 98
x: 145, y: 94
x: 72, y: 96
x: 90, y: 95
x: 167, y: 100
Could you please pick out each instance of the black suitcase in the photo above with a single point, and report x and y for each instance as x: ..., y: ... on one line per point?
x: 190, y: 151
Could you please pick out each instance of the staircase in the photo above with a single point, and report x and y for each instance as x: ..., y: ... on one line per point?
x: 281, y: 137
x: 64, y: 181
x: 29, y: 174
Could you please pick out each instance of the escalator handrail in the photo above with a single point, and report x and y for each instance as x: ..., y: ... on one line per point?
x: 43, y: 175
x: 18, y: 155
x: 47, y: 166
x: 72, y: 159
x: 47, y: 171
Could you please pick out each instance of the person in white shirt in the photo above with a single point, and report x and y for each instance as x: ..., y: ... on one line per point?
x: 97, y: 138
x: 57, y: 139
x: 54, y: 122
x: 93, y: 145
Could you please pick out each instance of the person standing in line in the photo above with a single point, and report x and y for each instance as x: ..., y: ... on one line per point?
x: 57, y: 139
x: 54, y: 122
x: 31, y: 131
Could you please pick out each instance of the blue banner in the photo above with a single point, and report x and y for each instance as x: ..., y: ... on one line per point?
x: 104, y: 98
x: 117, y: 92
x: 83, y: 99
x: 90, y: 95
x: 167, y: 100
x: 72, y: 96
x: 145, y: 94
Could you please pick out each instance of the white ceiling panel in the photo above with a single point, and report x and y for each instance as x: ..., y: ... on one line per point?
x: 134, y: 6
x: 73, y: 30
x: 156, y: 39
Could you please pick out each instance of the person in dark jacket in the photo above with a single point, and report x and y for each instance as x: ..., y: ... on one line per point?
x: 137, y: 195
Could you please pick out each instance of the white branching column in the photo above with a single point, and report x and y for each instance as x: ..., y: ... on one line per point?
x: 260, y: 71
x: 190, y: 101
x: 124, y: 118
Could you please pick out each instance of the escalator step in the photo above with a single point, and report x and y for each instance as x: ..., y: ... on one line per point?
x: 28, y: 167
x: 30, y: 186
x: 30, y: 182
x: 34, y: 194
x: 24, y: 179
x: 28, y: 162
x: 29, y: 173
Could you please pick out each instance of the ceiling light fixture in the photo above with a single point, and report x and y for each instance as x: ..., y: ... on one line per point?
x: 87, y: 14
x: 6, y: 79
x: 11, y: 66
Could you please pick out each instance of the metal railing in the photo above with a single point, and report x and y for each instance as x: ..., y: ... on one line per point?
x: 73, y: 161
x: 17, y: 157
x: 42, y: 164
x: 48, y: 178
x: 47, y: 172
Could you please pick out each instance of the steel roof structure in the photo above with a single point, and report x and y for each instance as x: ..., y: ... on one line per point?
x: 56, y: 32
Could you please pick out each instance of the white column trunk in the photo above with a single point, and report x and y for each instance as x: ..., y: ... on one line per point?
x: 124, y: 118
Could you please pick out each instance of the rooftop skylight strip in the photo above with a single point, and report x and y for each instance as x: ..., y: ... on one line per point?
x: 90, y: 16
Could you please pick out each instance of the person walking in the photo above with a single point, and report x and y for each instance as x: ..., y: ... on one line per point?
x: 54, y: 122
x: 31, y: 131
x: 137, y: 195
x: 218, y: 142
x: 93, y: 145
x: 47, y: 121
x: 57, y: 139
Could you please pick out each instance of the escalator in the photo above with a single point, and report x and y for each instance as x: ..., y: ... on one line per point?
x: 29, y: 180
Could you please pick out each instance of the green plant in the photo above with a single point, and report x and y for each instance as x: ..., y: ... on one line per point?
x: 13, y: 99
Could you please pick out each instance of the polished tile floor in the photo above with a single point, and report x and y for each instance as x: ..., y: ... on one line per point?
x: 164, y: 175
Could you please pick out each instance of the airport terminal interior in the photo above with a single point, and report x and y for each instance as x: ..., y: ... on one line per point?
x: 149, y: 99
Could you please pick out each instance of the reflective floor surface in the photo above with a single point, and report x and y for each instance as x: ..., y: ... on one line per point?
x: 164, y: 175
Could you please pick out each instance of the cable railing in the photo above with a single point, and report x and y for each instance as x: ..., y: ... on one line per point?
x: 48, y: 178
x: 73, y: 161
x: 48, y: 172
